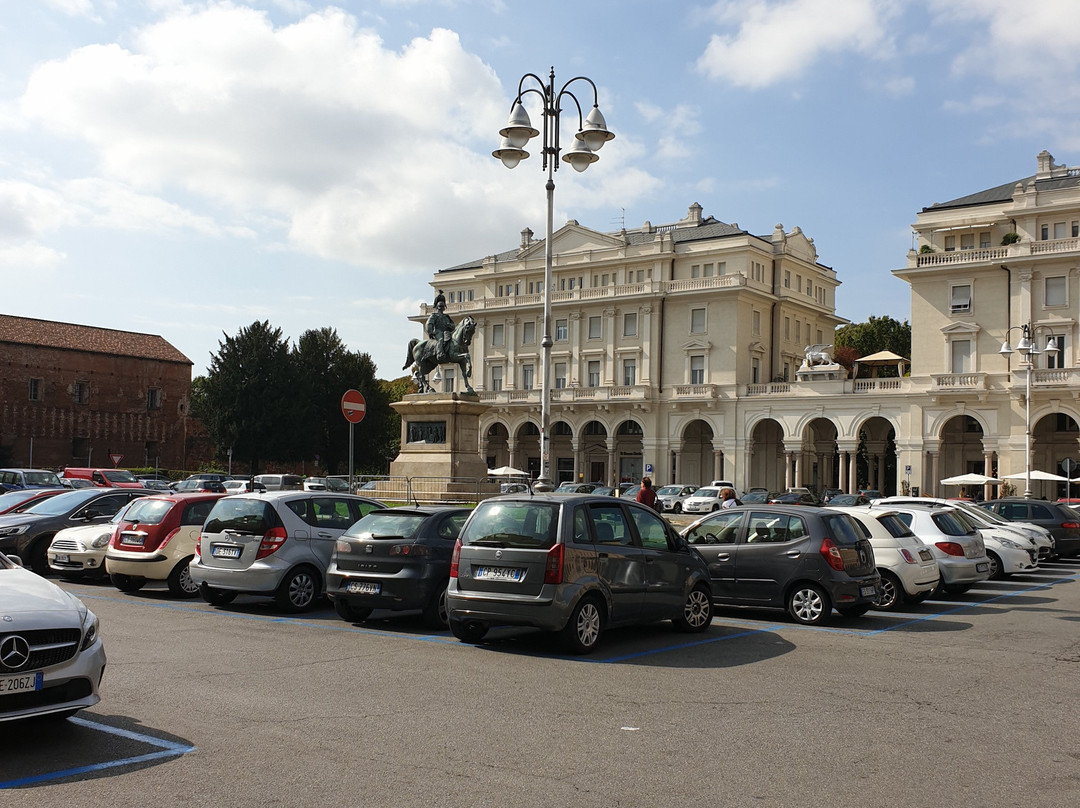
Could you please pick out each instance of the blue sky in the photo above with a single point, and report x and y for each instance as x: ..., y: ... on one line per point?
x: 187, y: 168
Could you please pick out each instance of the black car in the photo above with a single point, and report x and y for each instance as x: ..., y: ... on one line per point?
x: 28, y: 534
x: 398, y: 559
x: 1061, y: 520
x: 794, y: 498
x: 808, y: 561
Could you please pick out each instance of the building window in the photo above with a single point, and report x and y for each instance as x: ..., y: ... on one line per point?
x: 560, y: 375
x: 153, y: 398
x: 755, y: 371
x: 787, y: 278
x: 697, y: 321
x: 798, y: 330
x: 1075, y: 229
x: 697, y: 370
x: 695, y: 271
x: 950, y: 243
x: 561, y: 331
x: 80, y: 392
x: 787, y: 328
x: 629, y: 372
x: 496, y: 378
x: 1055, y: 291
x: 80, y: 448
x: 961, y: 356
x: 596, y: 328
x: 967, y: 241
x: 1044, y: 232
x: 497, y: 335
x: 528, y: 333
x: 984, y: 240
x: 1057, y: 360
x: 527, y: 377
x: 1059, y: 230
x: 707, y: 270
x: 630, y: 324
x: 960, y: 302
x: 35, y: 389
x: 755, y: 320
x: 594, y: 374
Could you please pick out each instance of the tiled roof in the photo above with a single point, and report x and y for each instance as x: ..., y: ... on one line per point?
x: 67, y: 336
x: 1004, y: 193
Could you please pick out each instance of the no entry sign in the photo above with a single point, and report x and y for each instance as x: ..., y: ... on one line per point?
x: 353, y: 406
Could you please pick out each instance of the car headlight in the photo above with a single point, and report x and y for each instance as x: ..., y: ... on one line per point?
x: 13, y: 530
x: 90, y: 630
x: 102, y: 540
x: 1010, y: 544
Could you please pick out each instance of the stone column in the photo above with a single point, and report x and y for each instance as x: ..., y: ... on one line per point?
x: 512, y: 446
x: 575, y: 446
x: 853, y: 472
x: 935, y: 472
x: 613, y: 469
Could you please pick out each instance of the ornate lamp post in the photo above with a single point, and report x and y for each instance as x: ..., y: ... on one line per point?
x: 591, y: 135
x: 1028, y: 349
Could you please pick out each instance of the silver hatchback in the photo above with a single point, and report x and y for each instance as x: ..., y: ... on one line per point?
x: 276, y: 543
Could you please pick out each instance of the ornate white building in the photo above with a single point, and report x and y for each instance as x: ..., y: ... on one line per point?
x: 678, y: 348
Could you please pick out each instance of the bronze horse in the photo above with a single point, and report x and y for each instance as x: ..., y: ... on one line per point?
x: 423, y: 356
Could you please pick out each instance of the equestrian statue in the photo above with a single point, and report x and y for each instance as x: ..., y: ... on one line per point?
x: 446, y: 344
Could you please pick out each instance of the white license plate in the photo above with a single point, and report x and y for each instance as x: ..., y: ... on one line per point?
x: 983, y: 567
x: 61, y: 558
x: 498, y: 573
x: 925, y: 555
x: 363, y: 588
x: 867, y: 591
x: 132, y: 540
x: 221, y: 551
x: 23, y: 683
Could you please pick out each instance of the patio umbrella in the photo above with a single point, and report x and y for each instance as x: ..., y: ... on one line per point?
x: 969, y: 479
x: 1037, y: 475
x: 506, y: 471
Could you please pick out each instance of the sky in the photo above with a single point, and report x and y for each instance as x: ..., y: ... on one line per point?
x: 188, y: 168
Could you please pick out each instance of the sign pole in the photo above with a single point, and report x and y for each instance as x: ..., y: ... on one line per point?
x: 352, y: 426
x: 354, y: 408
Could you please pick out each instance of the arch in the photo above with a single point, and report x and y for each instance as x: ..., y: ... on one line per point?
x: 818, y: 464
x: 629, y: 450
x: 766, y: 454
x: 694, y: 459
x: 1055, y: 437
x: 875, y: 457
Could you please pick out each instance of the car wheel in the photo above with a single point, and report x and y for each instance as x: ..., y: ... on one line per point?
x: 179, y: 580
x: 697, y: 611
x: 36, y: 558
x: 956, y: 589
x: 435, y: 611
x: 470, y: 631
x: 582, y: 631
x: 298, y: 590
x: 714, y: 508
x: 216, y: 597
x: 676, y: 508
x: 854, y: 611
x: 996, y: 571
x: 349, y: 613
x: 890, y: 594
x: 808, y: 604
x: 127, y: 583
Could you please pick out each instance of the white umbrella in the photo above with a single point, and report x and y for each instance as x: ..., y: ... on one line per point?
x: 1037, y: 475
x: 506, y: 471
x: 969, y: 479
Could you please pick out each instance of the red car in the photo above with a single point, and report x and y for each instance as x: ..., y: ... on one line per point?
x: 19, y: 501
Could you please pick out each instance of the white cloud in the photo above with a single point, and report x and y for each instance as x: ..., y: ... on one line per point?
x: 28, y: 257
x: 74, y: 8
x: 778, y: 40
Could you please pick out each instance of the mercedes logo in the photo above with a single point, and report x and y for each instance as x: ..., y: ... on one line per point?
x: 14, y: 652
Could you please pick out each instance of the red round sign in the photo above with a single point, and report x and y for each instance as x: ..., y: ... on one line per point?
x: 353, y: 406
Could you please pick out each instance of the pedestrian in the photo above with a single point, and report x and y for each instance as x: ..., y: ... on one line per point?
x: 646, y: 496
x: 728, y: 499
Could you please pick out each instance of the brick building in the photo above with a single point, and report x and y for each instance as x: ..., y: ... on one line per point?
x: 76, y: 394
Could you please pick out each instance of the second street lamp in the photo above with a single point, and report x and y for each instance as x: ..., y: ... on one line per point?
x: 1028, y: 348
x: 592, y: 134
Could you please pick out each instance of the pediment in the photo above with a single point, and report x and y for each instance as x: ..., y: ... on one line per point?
x: 961, y: 328
x: 573, y: 238
x: 697, y: 345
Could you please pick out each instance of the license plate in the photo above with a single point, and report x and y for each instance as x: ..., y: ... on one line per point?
x: 363, y: 588
x: 23, y: 683
x: 867, y: 591
x: 926, y: 555
x: 221, y: 551
x: 132, y: 540
x: 61, y: 558
x: 498, y: 573
x: 983, y: 567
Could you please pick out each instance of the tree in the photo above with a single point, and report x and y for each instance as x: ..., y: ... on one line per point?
x: 876, y: 334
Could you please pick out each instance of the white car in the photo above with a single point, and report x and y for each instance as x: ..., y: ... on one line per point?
x: 51, y: 657
x: 79, y: 552
x: 909, y: 572
x: 704, y: 500
x: 671, y: 497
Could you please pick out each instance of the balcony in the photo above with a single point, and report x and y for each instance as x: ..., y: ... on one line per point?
x: 567, y: 395
x: 1049, y: 378
x: 958, y: 382
x: 989, y: 255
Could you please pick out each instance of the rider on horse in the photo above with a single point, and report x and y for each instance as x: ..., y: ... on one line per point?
x: 440, y: 328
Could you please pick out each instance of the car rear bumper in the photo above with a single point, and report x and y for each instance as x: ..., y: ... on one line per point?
x: 956, y: 570
x: 258, y: 578
x: 540, y: 611
x: 396, y: 592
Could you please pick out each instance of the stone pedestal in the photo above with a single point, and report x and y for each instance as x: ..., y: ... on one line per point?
x: 818, y: 373
x: 440, y: 436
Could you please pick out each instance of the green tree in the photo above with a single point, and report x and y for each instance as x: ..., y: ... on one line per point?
x: 876, y: 334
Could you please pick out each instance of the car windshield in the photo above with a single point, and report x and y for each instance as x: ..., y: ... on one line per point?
x: 985, y: 513
x: 707, y: 492
x: 512, y: 524
x: 895, y: 525
x: 387, y: 525
x: 669, y: 490
x: 148, y: 511
x: 41, y: 478
x: 13, y: 498
x: 63, y: 503
x: 119, y: 476
x: 952, y: 524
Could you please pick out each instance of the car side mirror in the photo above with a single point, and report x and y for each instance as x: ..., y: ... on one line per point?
x: 15, y: 559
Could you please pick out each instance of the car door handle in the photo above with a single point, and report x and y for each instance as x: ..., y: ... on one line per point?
x: 793, y: 553
x: 325, y: 535
x: 723, y: 557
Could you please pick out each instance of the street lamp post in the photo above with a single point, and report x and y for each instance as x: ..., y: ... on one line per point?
x: 591, y: 135
x: 1028, y: 349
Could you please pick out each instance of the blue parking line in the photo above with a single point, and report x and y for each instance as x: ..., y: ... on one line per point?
x: 167, y: 749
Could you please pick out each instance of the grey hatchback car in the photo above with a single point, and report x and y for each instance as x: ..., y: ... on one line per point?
x: 808, y: 561
x: 576, y: 565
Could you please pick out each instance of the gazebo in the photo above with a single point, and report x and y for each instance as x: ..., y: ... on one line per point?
x: 881, y: 359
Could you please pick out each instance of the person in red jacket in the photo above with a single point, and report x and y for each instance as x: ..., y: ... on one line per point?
x: 646, y: 496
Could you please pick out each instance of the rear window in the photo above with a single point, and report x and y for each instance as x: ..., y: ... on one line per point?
x: 148, y: 511
x: 513, y: 524
x: 241, y: 516
x: 952, y: 524
x: 41, y: 478
x: 387, y: 525
x: 896, y: 526
x: 842, y: 529
x: 119, y: 476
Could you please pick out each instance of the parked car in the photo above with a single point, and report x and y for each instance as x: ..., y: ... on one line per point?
x: 17, y: 479
x: 19, y: 501
x: 397, y: 559
x: 756, y: 497
x: 29, y: 533
x: 281, y: 482
x: 103, y: 478
x: 276, y: 544
x: 909, y: 573
x: 672, y: 496
x: 724, y: 484
x: 703, y: 500
x: 513, y: 488
x: 807, y: 561
x: 204, y: 485
x: 76, y: 482
x: 847, y: 500
x: 79, y: 551
x: 829, y: 493
x: 795, y: 498
x: 575, y: 565
x: 51, y: 656
x: 338, y: 484
x: 154, y: 540
x: 956, y: 544
x: 1061, y: 520
x: 242, y: 486
x: 571, y: 487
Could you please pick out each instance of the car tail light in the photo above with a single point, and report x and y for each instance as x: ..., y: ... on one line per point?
x: 271, y: 541
x: 455, y: 558
x: 553, y: 568
x: 950, y: 548
x: 411, y: 550
x: 1070, y: 525
x: 908, y: 557
x: 172, y: 533
x: 831, y: 553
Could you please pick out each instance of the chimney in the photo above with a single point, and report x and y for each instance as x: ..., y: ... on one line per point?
x: 526, y: 238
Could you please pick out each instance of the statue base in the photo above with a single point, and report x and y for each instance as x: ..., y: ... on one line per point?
x: 818, y: 373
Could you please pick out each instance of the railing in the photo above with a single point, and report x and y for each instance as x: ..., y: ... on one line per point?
x: 769, y: 389
x: 1054, y: 377
x: 696, y: 391
x: 567, y: 395
x: 876, y: 385
x: 989, y: 254
x: 958, y: 381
